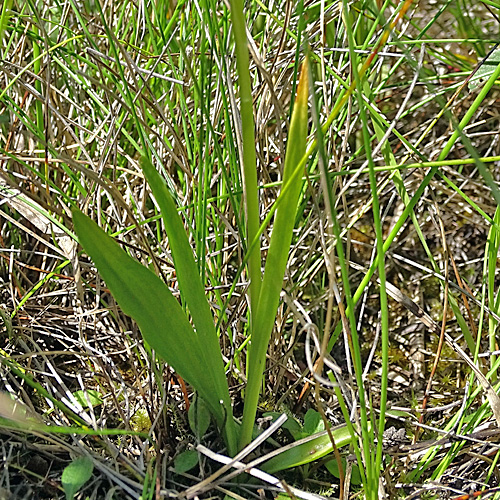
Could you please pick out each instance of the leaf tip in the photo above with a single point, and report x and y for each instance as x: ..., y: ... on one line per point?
x: 303, y: 86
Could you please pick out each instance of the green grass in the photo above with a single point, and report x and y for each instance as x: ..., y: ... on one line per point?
x: 237, y: 221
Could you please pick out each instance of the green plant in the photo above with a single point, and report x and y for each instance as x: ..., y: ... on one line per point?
x: 75, y: 475
x: 194, y: 350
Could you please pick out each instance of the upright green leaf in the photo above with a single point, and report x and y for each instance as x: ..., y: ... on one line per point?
x: 191, y: 287
x: 491, y: 253
x: 248, y: 159
x: 185, y: 266
x: 277, y: 256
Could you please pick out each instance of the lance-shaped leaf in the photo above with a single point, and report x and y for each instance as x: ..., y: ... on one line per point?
x: 163, y: 323
x: 308, y: 449
x: 192, y: 290
x: 264, y: 315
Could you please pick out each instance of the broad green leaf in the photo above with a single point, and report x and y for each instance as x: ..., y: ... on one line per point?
x: 75, y: 475
x: 185, y: 461
x: 264, y: 316
x: 185, y: 266
x: 307, y: 450
x: 313, y: 423
x: 485, y: 70
x: 333, y: 468
x: 193, y: 292
x: 199, y: 417
x: 93, y: 396
x: 144, y: 297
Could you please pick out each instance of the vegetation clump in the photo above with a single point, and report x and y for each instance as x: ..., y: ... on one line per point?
x: 249, y: 240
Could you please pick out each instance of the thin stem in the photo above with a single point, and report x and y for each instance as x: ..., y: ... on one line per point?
x: 249, y: 170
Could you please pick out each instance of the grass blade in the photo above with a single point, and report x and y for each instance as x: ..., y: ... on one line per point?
x: 491, y: 252
x: 249, y: 160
